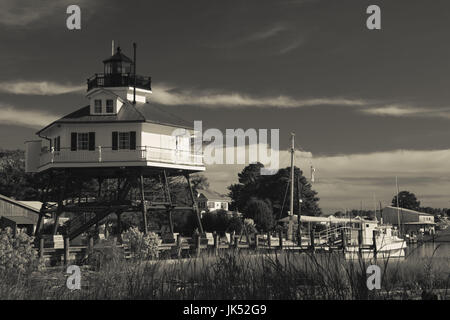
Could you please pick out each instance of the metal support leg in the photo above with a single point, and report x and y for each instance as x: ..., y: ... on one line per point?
x: 194, y: 204
x: 169, y: 199
x: 144, y: 205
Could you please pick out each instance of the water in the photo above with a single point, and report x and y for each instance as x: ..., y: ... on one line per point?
x: 426, y: 250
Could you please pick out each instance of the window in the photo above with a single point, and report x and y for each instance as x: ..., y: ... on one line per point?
x: 211, y: 205
x: 109, y: 106
x: 83, y: 141
x: 97, y: 106
x: 124, y: 140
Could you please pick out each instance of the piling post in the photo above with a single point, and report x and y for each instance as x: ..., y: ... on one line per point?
x: 311, y: 236
x: 41, y: 247
x: 90, y: 244
x: 280, y: 239
x: 344, y: 239
x: 216, y: 244
x: 360, y: 241
x: 197, y: 245
x: 269, y: 241
x: 179, y: 246
x: 66, y: 250
x: 374, y: 242
x: 236, y: 242
x: 256, y: 242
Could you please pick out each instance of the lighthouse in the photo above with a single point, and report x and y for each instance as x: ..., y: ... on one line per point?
x: 119, y: 134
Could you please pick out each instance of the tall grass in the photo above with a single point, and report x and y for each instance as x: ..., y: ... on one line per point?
x: 239, y: 275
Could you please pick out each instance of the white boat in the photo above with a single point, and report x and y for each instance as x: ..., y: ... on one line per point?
x: 387, y: 243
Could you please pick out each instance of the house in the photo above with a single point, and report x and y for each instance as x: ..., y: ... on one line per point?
x: 411, y: 221
x: 119, y: 127
x: 18, y: 214
x: 212, y: 201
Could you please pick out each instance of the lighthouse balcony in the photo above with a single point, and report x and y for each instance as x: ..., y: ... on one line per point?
x: 107, y: 157
x: 119, y: 80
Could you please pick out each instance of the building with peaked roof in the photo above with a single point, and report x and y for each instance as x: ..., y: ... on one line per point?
x: 410, y: 221
x: 119, y: 128
x: 18, y: 214
x: 212, y: 201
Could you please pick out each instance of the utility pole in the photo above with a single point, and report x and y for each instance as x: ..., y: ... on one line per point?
x: 291, y: 212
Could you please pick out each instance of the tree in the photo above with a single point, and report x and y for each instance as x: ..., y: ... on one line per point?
x: 274, y: 188
x: 261, y: 212
x: 221, y: 222
x: 14, y: 182
x: 406, y: 200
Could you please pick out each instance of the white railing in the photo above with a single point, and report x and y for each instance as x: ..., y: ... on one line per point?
x: 107, y: 154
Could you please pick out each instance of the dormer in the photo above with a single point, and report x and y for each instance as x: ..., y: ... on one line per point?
x: 119, y: 77
x: 103, y: 103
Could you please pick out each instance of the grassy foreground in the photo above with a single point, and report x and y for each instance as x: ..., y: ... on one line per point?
x: 234, y: 275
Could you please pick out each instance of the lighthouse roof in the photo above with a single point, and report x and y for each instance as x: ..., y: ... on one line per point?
x: 118, y: 56
x: 145, y: 112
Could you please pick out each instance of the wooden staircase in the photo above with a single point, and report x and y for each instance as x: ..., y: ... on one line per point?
x: 94, y: 214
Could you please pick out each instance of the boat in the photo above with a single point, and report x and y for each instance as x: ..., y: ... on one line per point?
x: 378, y: 241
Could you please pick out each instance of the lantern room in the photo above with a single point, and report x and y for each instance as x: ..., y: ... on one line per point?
x: 118, y: 64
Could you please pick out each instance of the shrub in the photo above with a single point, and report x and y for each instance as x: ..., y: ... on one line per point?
x: 261, y: 212
x: 105, y: 253
x: 249, y: 226
x: 142, y: 246
x: 17, y: 254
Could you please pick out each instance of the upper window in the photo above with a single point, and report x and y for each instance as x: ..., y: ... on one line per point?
x: 109, y: 106
x: 97, y: 106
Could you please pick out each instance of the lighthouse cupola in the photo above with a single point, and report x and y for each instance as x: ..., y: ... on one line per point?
x: 119, y: 77
x: 118, y: 64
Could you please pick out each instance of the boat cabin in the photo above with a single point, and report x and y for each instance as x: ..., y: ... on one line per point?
x: 120, y: 127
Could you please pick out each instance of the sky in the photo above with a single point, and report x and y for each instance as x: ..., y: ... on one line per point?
x: 365, y: 105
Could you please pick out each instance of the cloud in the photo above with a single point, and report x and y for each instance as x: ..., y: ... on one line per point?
x: 42, y: 88
x: 25, y: 12
x: 167, y: 95
x: 27, y: 118
x: 265, y: 34
x: 408, y: 111
x: 292, y: 46
x: 259, y: 35
x: 394, y: 110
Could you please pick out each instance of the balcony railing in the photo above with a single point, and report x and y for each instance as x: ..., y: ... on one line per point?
x: 119, y: 80
x: 106, y: 154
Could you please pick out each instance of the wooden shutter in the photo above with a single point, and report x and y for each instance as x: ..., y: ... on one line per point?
x: 91, y: 140
x: 73, y: 141
x: 132, y: 140
x: 115, y: 140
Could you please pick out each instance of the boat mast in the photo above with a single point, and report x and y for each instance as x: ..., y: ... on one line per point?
x: 291, y: 207
x: 398, y: 207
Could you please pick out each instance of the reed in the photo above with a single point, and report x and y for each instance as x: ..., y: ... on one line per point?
x: 239, y: 275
